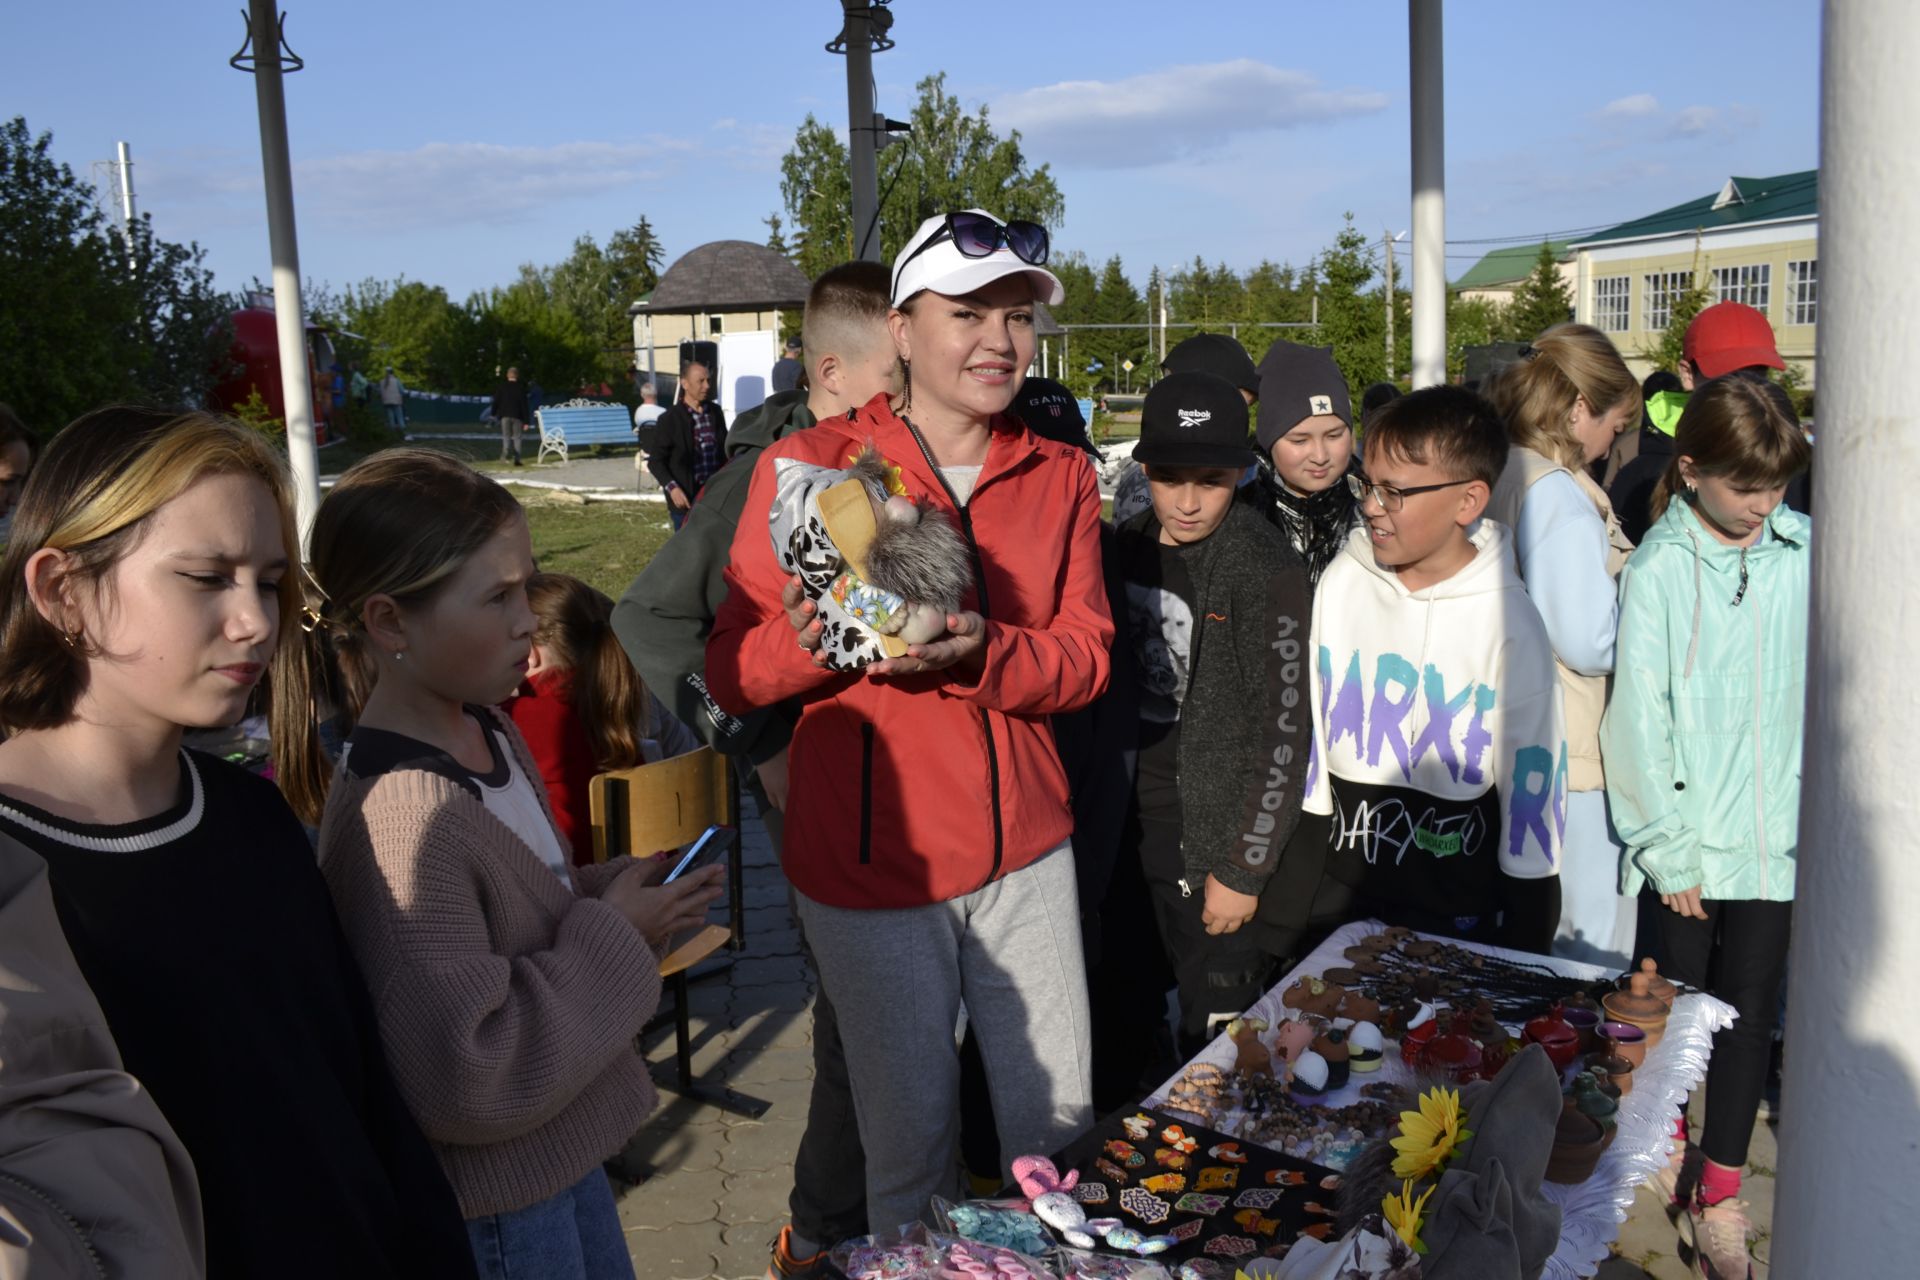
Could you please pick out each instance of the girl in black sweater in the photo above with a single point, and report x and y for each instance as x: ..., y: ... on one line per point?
x: 152, y: 572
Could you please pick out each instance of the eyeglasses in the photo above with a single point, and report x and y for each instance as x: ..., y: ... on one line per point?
x: 977, y: 235
x: 1390, y: 498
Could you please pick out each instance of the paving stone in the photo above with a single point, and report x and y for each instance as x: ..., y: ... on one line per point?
x: 1646, y: 1229
x: 674, y: 1253
x: 791, y: 996
x: 662, y: 1147
x: 762, y: 1144
x: 1763, y: 1151
x: 786, y: 1099
x: 771, y: 892
x: 744, y: 1248
x: 676, y: 1196
x: 765, y: 918
x: 756, y: 1196
x: 771, y: 1028
x: 756, y: 1065
x: 774, y: 942
x: 760, y: 971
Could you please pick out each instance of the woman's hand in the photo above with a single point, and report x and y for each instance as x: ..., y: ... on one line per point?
x: 659, y: 912
x: 801, y: 616
x: 966, y: 638
x: 1686, y: 903
x: 1223, y: 910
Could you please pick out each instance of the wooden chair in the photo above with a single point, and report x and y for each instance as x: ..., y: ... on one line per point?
x: 663, y: 806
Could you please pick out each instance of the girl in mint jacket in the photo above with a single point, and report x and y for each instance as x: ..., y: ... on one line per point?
x: 1702, y: 742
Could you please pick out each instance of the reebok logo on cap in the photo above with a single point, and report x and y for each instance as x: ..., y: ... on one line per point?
x: 1194, y: 417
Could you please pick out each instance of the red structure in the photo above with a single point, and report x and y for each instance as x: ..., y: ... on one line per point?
x: 254, y: 363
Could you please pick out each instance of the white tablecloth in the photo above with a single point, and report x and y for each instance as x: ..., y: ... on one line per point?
x: 1591, y: 1213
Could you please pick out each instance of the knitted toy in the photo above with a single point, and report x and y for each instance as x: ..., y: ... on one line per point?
x: 883, y: 571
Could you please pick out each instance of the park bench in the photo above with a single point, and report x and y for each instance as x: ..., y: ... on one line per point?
x: 581, y: 422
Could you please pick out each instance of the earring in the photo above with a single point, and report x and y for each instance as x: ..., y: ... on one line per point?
x: 906, y: 385
x: 72, y: 638
x: 399, y: 656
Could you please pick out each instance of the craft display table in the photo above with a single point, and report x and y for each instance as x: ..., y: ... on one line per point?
x: 1592, y: 1210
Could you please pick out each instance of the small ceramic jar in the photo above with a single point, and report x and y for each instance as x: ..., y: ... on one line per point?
x: 1639, y: 1006
x: 1625, y: 1040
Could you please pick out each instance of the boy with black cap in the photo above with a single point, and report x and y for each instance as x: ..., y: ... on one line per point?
x: 1216, y: 353
x: 1217, y: 609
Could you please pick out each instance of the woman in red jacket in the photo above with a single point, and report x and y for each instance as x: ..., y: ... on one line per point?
x: 928, y: 829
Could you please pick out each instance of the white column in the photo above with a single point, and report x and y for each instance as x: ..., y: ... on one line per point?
x: 1848, y: 1138
x: 126, y: 195
x: 296, y: 388
x: 1427, y: 98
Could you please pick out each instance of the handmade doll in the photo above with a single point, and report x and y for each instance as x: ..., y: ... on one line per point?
x: 883, y: 571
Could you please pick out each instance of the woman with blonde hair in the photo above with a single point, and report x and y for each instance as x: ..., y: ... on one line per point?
x: 1564, y: 401
x: 151, y: 584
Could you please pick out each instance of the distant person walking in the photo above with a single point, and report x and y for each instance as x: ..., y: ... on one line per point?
x: 393, y: 398
x: 510, y: 407
x: 689, y: 442
x: 788, y: 368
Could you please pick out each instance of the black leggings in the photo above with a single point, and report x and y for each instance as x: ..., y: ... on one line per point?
x: 1739, y: 953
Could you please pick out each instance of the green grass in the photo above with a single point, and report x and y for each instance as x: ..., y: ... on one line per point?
x: 604, y: 544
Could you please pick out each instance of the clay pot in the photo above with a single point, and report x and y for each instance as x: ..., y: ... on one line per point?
x: 1581, y: 1000
x: 1587, y: 1023
x: 1624, y: 1040
x: 1578, y: 1141
x: 1639, y: 1006
x: 1658, y: 987
x: 1591, y: 1098
x: 1617, y: 1070
x: 1453, y: 1055
x: 1552, y: 1032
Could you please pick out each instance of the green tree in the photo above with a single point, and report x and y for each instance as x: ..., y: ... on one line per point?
x: 1275, y: 295
x: 88, y: 313
x: 777, y: 235
x: 1082, y: 285
x: 1203, y: 299
x: 1116, y: 301
x: 951, y: 159
x: 636, y: 255
x: 1352, y: 318
x: 587, y: 288
x: 415, y: 328
x: 1471, y: 322
x: 1541, y: 301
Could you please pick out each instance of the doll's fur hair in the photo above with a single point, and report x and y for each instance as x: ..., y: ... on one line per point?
x: 927, y: 562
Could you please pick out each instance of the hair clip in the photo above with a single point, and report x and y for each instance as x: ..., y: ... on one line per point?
x: 1529, y: 351
x: 310, y: 619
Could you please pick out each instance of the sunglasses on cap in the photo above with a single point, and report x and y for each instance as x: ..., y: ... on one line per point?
x: 978, y: 235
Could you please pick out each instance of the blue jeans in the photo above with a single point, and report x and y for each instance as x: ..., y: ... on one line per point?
x: 396, y: 415
x: 574, y: 1235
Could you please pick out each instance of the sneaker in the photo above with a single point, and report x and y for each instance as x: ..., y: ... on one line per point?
x: 1720, y: 1233
x: 784, y: 1266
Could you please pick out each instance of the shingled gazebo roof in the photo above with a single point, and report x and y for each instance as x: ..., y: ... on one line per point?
x: 723, y: 276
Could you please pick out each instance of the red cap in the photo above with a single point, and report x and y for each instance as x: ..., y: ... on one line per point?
x: 1728, y: 336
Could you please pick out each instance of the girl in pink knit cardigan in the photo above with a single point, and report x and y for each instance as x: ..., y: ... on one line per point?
x: 509, y: 985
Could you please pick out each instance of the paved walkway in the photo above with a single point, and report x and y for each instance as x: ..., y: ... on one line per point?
x: 717, y: 1189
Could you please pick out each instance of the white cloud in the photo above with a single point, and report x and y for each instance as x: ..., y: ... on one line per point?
x: 1690, y: 122
x: 1164, y: 115
x: 443, y: 183
x: 1638, y: 104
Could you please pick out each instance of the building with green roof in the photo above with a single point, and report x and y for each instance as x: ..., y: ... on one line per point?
x: 1496, y: 276
x: 1755, y: 240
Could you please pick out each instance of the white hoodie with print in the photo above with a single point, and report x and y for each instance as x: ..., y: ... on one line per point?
x: 1439, y: 746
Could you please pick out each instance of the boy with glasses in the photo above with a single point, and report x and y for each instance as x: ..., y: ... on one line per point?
x: 1439, y: 746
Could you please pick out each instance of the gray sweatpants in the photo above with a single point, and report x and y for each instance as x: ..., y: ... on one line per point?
x: 1010, y: 953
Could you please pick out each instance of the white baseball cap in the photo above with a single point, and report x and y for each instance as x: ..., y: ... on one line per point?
x: 944, y: 269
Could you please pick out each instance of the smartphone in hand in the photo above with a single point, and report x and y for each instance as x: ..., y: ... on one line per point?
x: 707, y: 850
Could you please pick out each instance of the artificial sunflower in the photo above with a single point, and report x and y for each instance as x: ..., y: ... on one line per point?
x: 1403, y: 1214
x: 1429, y: 1136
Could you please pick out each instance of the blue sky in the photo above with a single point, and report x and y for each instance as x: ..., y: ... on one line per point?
x: 452, y: 142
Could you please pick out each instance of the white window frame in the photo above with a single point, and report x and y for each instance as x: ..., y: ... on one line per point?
x: 1802, y: 297
x: 1613, y: 303
x: 1751, y: 283
x: 1659, y: 290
